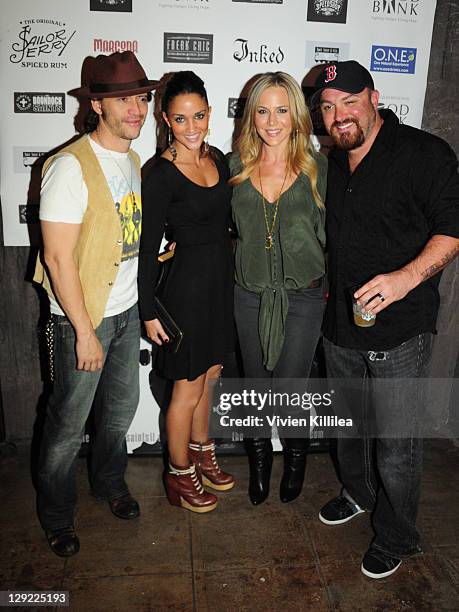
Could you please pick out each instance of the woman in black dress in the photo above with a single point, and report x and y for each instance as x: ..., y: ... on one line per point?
x: 187, y: 191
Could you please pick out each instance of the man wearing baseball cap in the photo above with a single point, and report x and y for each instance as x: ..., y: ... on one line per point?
x: 392, y: 226
x: 90, y: 213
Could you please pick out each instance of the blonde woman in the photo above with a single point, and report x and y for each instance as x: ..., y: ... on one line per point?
x: 279, y: 185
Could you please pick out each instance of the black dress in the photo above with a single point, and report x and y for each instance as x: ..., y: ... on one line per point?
x: 198, y: 292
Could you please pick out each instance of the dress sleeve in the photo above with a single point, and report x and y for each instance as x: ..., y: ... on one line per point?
x: 156, y: 197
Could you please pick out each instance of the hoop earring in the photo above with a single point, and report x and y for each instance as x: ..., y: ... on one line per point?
x: 206, y: 143
x: 170, y: 140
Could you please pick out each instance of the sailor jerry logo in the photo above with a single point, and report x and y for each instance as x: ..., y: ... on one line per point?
x: 331, y: 73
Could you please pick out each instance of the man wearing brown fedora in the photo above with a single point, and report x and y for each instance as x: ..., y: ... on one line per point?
x: 90, y: 213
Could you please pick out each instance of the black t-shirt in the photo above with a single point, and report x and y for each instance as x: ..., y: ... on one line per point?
x: 404, y: 191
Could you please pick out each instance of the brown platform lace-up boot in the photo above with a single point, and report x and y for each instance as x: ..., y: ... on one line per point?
x: 202, y: 454
x: 184, y: 489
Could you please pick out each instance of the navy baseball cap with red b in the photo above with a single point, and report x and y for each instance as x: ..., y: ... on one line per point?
x: 348, y: 76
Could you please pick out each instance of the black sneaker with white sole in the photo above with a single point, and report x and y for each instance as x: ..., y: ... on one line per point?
x: 377, y: 564
x: 339, y: 510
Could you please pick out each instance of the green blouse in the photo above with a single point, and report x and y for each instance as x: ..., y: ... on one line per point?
x: 294, y: 261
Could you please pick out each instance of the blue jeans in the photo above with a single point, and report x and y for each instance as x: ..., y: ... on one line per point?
x: 114, y: 390
x: 383, y: 474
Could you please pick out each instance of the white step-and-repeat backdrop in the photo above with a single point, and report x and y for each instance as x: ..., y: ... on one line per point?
x: 44, y: 42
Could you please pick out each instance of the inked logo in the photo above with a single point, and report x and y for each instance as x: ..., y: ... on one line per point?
x: 40, y: 39
x: 260, y: 55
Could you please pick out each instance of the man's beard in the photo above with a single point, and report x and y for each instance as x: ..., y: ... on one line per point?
x: 347, y: 140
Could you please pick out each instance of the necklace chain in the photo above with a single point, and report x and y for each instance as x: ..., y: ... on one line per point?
x: 269, y: 241
x: 129, y: 182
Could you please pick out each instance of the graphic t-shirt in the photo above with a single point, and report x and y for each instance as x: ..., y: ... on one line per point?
x: 64, y: 199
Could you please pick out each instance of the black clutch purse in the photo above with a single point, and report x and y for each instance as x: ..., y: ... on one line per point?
x: 169, y: 325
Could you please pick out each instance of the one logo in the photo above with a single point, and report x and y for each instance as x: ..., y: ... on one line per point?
x: 331, y: 11
x: 396, y: 8
x: 330, y: 72
x: 26, y: 157
x: 236, y: 107
x: 393, y: 59
x: 188, y: 48
x: 41, y: 44
x: 259, y: 54
x: 28, y: 213
x: 36, y: 102
x: 115, y: 6
x: 100, y: 45
x: 318, y: 52
x: 401, y: 109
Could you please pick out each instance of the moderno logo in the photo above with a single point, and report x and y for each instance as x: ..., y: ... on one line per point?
x: 393, y: 59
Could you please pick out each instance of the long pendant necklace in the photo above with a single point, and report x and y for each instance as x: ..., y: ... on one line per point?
x: 269, y: 240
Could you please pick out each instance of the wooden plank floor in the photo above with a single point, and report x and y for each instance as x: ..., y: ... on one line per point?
x: 274, y: 557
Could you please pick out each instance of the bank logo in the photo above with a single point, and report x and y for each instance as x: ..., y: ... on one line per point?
x: 101, y: 45
x: 188, y: 48
x: 396, y: 8
x: 320, y: 52
x: 35, y: 102
x: 41, y: 43
x: 393, y: 59
x: 26, y: 157
x: 28, y: 213
x: 236, y: 107
x: 258, y: 54
x: 115, y: 6
x: 399, y: 106
x: 330, y: 11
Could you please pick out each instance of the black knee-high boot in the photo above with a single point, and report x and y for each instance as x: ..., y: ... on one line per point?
x: 295, y: 451
x: 260, y: 454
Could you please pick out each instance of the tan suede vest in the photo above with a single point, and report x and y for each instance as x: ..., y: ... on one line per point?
x: 100, y: 243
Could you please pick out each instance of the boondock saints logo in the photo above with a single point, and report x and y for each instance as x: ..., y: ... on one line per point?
x: 116, y: 6
x: 404, y: 8
x: 260, y: 54
x: 333, y: 11
x: 35, y: 102
x: 40, y: 43
x: 188, y: 48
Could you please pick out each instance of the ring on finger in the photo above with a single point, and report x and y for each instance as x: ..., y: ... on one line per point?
x: 380, y: 296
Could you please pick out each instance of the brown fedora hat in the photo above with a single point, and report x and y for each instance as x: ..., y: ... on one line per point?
x: 118, y: 74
